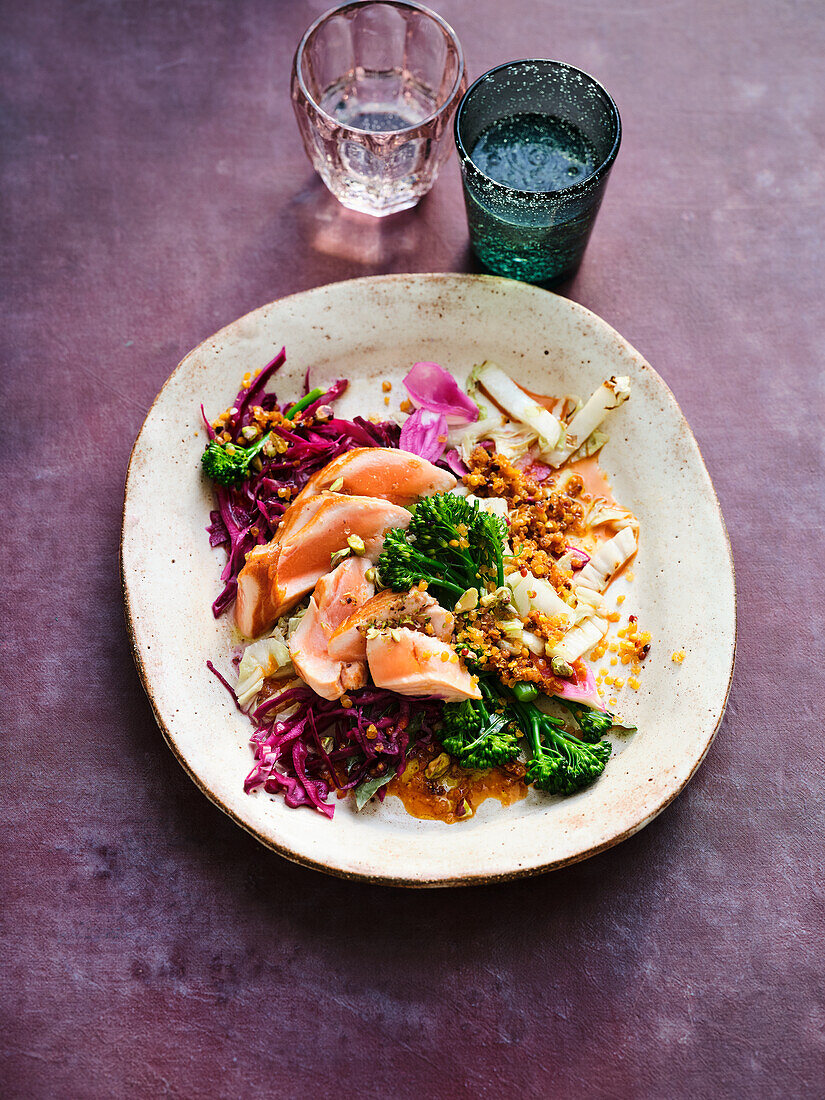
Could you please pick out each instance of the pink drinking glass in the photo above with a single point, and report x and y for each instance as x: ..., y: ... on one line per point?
x: 374, y: 86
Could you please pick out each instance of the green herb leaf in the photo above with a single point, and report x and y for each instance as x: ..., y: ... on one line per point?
x: 367, y: 788
x: 622, y: 727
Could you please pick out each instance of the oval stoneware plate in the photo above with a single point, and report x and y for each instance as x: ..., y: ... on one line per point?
x: 373, y: 329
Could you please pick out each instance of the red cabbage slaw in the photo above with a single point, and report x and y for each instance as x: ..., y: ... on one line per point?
x: 325, y: 745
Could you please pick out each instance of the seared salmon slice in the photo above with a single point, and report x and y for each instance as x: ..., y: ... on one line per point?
x: 335, y: 595
x: 340, y: 593
x: 397, y: 476
x: 412, y: 663
x: 255, y: 608
x: 414, y: 608
x: 276, y: 576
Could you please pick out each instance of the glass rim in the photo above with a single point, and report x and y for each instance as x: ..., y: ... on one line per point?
x: 436, y: 18
x: 604, y: 166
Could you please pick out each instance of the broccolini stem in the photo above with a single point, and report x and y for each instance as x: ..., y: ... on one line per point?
x: 454, y: 589
x: 524, y: 691
x: 250, y: 452
x: 532, y: 732
x: 440, y: 568
x: 305, y: 401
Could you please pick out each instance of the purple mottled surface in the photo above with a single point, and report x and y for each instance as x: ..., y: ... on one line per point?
x: 155, y: 189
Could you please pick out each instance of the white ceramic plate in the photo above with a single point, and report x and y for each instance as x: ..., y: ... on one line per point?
x: 372, y: 329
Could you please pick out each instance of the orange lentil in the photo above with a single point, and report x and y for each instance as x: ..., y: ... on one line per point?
x: 386, y: 386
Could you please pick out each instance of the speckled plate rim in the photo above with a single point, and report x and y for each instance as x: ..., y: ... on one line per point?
x: 302, y: 859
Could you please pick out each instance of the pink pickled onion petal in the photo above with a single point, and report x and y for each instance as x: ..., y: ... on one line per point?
x: 580, y: 558
x: 585, y: 558
x: 537, y: 471
x: 424, y: 434
x: 454, y: 460
x: 582, y: 691
x: 431, y: 387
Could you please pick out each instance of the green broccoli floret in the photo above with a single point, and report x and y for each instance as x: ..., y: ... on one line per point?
x: 401, y: 566
x: 481, y: 734
x: 593, y: 724
x: 440, y: 520
x: 477, y: 737
x: 228, y: 463
x: 560, y: 763
x: 449, y: 543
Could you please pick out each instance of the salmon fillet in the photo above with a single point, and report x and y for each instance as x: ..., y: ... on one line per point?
x: 397, y: 476
x: 412, y: 663
x: 349, y: 641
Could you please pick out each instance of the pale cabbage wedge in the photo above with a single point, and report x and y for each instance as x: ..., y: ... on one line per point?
x: 534, y: 594
x: 607, y: 560
x: 580, y: 639
x: 588, y: 600
x: 496, y: 505
x: 601, y: 514
x: 261, y: 659
x: 610, y: 394
x: 515, y: 402
x: 533, y: 642
x: 513, y: 440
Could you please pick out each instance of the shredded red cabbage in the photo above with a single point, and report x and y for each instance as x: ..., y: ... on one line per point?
x: 324, y: 746
x: 247, y: 515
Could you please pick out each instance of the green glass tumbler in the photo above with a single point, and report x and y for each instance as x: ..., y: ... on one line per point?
x: 536, y: 140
